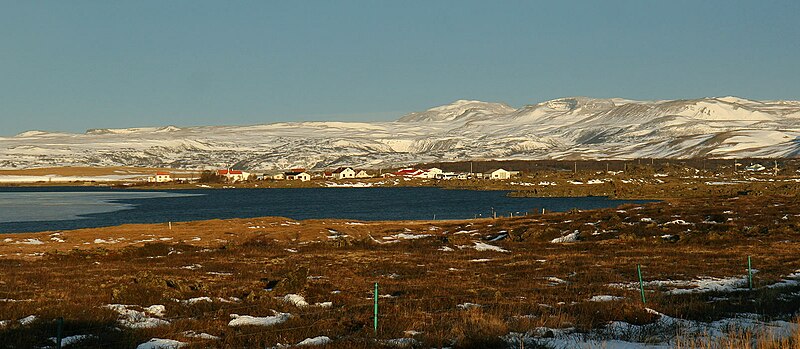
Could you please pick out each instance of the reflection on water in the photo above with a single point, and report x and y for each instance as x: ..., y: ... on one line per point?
x: 40, y: 209
x: 56, y: 206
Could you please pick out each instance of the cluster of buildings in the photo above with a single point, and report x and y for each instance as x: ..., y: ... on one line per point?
x: 436, y: 173
x: 300, y: 174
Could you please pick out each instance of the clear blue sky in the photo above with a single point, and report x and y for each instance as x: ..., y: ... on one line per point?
x: 73, y: 65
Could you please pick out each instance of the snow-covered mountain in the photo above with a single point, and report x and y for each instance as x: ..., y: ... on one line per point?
x: 566, y: 128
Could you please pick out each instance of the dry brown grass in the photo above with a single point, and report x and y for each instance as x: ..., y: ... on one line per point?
x: 425, y: 285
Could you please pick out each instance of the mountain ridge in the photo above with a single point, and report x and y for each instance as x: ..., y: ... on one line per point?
x: 563, y: 128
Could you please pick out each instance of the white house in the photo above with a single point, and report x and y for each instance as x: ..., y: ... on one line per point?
x: 497, y: 174
x: 363, y: 174
x: 297, y: 176
x: 344, y: 172
x: 279, y: 176
x: 431, y: 173
x: 233, y: 175
x: 160, y: 177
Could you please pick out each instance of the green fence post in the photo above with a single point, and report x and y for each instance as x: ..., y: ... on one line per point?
x: 750, y: 273
x: 375, y: 323
x: 641, y: 283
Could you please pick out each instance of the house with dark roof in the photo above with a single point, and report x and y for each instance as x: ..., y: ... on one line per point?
x: 344, y: 173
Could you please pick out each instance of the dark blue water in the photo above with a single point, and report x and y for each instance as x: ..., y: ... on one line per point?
x: 74, y: 208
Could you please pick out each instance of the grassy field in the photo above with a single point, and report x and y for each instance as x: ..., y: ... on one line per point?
x: 534, y: 281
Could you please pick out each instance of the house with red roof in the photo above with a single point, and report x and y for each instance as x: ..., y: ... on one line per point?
x: 418, y: 173
x: 161, y: 177
x: 233, y: 175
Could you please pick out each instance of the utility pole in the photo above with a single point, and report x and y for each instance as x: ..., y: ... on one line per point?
x: 776, y: 168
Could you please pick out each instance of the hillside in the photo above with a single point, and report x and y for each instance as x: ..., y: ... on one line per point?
x: 566, y: 128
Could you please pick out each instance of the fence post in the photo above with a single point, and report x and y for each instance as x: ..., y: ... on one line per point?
x: 375, y: 322
x: 750, y: 273
x: 641, y: 283
x: 59, y: 332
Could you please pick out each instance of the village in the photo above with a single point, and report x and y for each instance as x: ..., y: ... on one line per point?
x: 341, y: 173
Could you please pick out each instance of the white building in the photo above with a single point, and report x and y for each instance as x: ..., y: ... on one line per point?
x: 431, y: 173
x: 297, y: 176
x: 363, y: 174
x: 447, y: 175
x: 160, y: 177
x: 233, y: 175
x: 497, y: 174
x: 344, y: 173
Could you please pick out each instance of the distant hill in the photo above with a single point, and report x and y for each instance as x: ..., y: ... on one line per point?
x: 565, y: 128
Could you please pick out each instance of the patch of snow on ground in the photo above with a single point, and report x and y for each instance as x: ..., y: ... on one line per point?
x: 480, y: 246
x: 605, y: 298
x: 480, y: 260
x: 468, y: 305
x: 321, y: 340
x: 464, y: 232
x: 133, y: 318
x: 295, y: 299
x: 400, y: 342
x: 712, y: 284
x: 503, y: 235
x: 679, y: 222
x: 197, y: 300
x: 405, y: 236
x: 27, y: 320
x: 201, y: 335
x: 571, y: 237
x: 660, y: 334
x: 72, y: 339
x: 247, y: 320
x: 31, y: 241
x: 160, y: 343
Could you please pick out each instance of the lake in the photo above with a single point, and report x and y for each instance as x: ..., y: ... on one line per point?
x: 64, y: 208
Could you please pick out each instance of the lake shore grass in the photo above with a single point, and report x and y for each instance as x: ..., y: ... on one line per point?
x: 463, y: 284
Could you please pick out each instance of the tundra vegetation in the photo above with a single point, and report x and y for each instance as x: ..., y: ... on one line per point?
x: 533, y: 280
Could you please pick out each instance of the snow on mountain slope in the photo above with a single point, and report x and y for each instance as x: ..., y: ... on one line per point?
x: 565, y: 128
x: 458, y: 109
